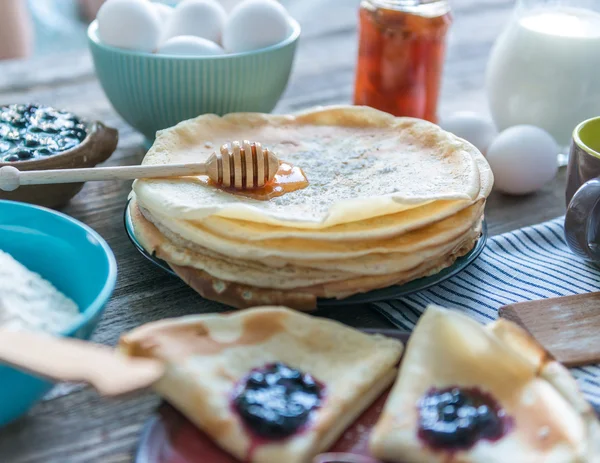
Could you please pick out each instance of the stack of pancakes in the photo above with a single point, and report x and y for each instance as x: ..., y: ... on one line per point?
x: 389, y: 200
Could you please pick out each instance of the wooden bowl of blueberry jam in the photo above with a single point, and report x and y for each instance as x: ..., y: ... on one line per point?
x: 38, y: 137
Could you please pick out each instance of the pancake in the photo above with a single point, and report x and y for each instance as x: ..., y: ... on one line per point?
x: 532, y: 409
x: 296, y: 249
x: 361, y: 163
x: 209, y: 357
x: 223, y: 267
x: 384, y: 226
x: 346, y: 288
x: 389, y: 200
x: 253, y: 273
x: 243, y: 296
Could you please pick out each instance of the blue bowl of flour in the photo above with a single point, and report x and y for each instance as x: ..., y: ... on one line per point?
x: 71, y: 256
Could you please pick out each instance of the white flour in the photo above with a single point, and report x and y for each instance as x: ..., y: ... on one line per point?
x: 28, y: 302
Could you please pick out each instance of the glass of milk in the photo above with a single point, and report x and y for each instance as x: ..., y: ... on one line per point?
x: 544, y: 69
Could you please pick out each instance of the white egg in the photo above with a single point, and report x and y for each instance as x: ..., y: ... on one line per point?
x: 472, y: 127
x: 201, y: 18
x: 230, y: 4
x: 190, y: 45
x: 131, y: 24
x: 523, y: 159
x: 255, y: 24
x: 164, y: 12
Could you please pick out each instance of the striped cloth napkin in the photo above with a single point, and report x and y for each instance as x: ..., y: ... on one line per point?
x: 526, y: 264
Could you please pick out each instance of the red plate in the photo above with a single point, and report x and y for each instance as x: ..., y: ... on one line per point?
x: 170, y: 438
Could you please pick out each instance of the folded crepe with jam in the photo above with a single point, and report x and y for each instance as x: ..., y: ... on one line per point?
x: 268, y: 384
x: 273, y: 385
x: 474, y: 394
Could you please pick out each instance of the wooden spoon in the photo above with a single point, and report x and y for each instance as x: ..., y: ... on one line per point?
x: 64, y: 359
x: 246, y: 165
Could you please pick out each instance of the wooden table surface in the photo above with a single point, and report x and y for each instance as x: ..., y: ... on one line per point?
x: 73, y: 424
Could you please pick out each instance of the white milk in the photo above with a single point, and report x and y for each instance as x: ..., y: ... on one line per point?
x: 545, y: 70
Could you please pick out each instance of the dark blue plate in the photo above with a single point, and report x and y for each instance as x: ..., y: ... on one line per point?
x: 385, y: 294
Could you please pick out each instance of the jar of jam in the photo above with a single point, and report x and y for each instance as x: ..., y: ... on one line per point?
x: 401, y: 54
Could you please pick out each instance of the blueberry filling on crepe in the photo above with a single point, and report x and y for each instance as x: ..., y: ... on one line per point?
x: 276, y: 401
x: 29, y: 132
x: 457, y: 418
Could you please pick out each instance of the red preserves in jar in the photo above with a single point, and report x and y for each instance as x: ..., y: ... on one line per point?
x: 401, y: 55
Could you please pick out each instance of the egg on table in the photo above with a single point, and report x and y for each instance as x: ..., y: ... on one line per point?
x: 189, y: 45
x: 523, y: 159
x: 201, y: 18
x: 471, y: 127
x: 131, y: 24
x: 255, y: 24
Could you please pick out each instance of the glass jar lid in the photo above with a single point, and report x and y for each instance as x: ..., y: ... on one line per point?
x: 421, y: 7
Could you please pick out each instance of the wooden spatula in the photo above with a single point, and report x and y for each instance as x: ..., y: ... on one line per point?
x: 568, y: 327
x: 72, y: 360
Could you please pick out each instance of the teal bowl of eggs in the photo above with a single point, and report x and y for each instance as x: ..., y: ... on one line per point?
x: 156, y: 73
x: 56, y: 275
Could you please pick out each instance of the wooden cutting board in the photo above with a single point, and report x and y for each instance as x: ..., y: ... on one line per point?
x: 568, y: 327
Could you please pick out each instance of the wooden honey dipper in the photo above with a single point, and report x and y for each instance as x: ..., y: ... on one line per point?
x: 247, y: 165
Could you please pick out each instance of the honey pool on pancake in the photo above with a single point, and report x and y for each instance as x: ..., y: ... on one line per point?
x: 288, y: 178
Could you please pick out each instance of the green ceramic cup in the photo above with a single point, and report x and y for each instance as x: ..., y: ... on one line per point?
x: 153, y: 92
x: 582, y: 221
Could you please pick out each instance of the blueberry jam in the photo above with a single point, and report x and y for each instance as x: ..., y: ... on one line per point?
x: 29, y: 132
x: 457, y: 418
x: 276, y: 401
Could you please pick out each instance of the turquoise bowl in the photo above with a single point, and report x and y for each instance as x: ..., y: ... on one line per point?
x: 153, y: 92
x: 76, y: 260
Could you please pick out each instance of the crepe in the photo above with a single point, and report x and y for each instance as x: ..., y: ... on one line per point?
x: 208, y: 356
x: 389, y: 200
x: 547, y: 418
x: 242, y: 296
x: 263, y: 273
x: 384, y: 226
x: 246, y: 283
x: 361, y: 163
x: 297, y: 249
x: 305, y: 299
x: 346, y: 288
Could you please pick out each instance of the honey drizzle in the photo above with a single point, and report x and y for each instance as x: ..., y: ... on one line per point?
x: 288, y: 178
